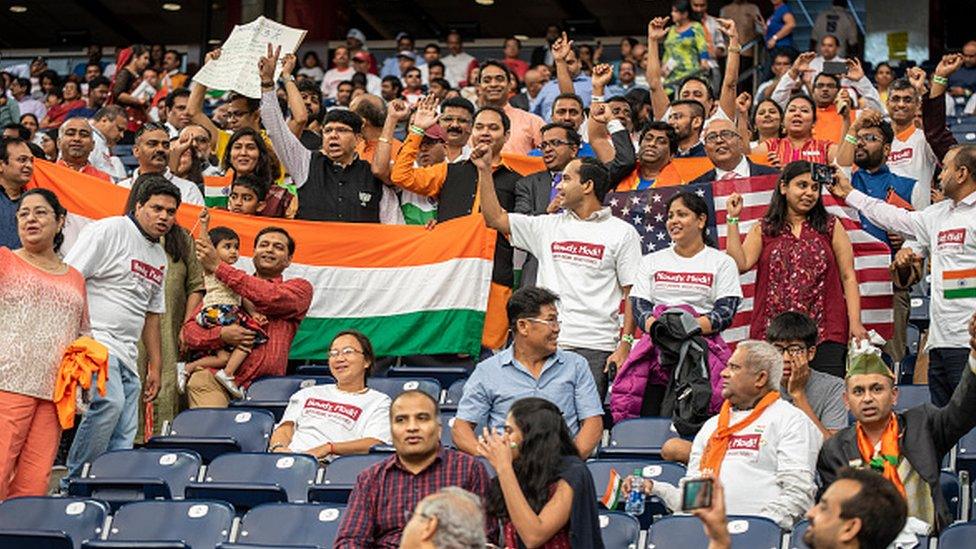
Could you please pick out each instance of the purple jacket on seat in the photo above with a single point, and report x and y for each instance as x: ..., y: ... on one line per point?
x: 643, y: 366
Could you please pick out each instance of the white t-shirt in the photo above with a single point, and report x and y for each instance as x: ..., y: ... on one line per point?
x: 323, y: 413
x: 666, y: 278
x: 189, y: 192
x: 124, y: 276
x: 587, y: 263
x: 912, y: 157
x: 332, y: 78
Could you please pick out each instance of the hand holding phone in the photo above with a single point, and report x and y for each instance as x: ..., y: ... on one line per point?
x: 696, y: 494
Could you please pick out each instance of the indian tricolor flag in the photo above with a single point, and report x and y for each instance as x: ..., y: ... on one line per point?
x: 612, y: 491
x: 216, y: 189
x: 959, y: 284
x: 411, y: 290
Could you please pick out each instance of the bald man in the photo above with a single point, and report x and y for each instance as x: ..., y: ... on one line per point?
x: 724, y: 147
x: 75, y: 143
x: 963, y: 82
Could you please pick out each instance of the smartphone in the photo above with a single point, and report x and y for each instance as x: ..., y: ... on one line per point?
x: 696, y: 494
x: 822, y: 174
x: 834, y: 67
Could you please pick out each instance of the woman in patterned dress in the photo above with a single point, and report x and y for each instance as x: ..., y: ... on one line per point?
x: 805, y: 263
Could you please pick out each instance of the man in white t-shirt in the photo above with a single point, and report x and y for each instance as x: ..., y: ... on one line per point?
x: 340, y: 72
x: 911, y: 155
x: 322, y: 415
x: 762, y: 448
x: 124, y: 266
x: 586, y: 255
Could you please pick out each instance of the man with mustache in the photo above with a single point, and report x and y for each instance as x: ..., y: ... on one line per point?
x: 16, y: 170
x: 75, y: 143
x: 152, y: 151
x: 724, y: 147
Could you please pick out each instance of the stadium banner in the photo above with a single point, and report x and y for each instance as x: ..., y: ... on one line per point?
x: 411, y: 290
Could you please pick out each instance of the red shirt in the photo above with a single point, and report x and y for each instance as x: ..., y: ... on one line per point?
x: 518, y: 66
x: 88, y: 169
x: 284, y: 302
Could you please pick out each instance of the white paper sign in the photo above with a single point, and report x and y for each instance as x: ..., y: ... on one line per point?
x: 237, y: 67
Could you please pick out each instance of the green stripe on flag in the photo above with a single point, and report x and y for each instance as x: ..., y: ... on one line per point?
x: 425, y: 332
x: 959, y: 293
x: 216, y: 201
x: 412, y: 215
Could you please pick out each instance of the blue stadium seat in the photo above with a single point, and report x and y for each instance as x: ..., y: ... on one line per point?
x: 122, y: 150
x: 124, y: 476
x: 919, y: 313
x: 950, y: 490
x: 910, y: 396
x: 393, y: 386
x: 619, y: 530
x: 246, y: 480
x: 340, y: 477
x: 445, y: 372
x: 966, y: 454
x: 664, y: 471
x: 447, y: 437
x: 50, y: 523
x: 639, y: 438
x: 289, y: 525
x: 453, y: 395
x: 168, y: 524
x: 958, y: 536
x: 313, y: 370
x: 906, y: 369
x: 214, y: 431
x: 913, y: 338
x: 272, y: 393
x: 685, y: 532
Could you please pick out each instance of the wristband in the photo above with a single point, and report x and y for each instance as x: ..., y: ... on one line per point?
x: 286, y: 78
x: 850, y: 139
x: 735, y: 49
x: 596, y: 99
x: 417, y: 130
x: 614, y: 126
x: 628, y: 339
x: 267, y: 85
x: 382, y: 139
x: 940, y: 80
x: 731, y: 220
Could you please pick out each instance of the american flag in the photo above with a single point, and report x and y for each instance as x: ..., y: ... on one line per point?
x: 647, y: 212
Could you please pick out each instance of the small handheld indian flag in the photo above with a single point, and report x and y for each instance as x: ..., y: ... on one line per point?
x: 612, y: 492
x: 959, y: 284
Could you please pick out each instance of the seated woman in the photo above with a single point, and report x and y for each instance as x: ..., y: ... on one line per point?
x: 327, y: 421
x: 543, y: 493
x: 690, y: 274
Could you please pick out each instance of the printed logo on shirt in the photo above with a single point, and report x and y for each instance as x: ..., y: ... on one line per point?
x: 147, y: 272
x: 667, y: 279
x: 744, y: 446
x: 345, y: 414
x: 951, y: 240
x: 578, y: 252
x: 902, y: 155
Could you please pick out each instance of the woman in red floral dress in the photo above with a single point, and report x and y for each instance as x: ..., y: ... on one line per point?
x: 805, y: 263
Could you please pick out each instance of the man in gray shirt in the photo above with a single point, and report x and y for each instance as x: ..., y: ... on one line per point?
x: 820, y: 396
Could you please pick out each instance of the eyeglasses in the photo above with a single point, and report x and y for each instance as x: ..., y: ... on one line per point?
x: 447, y: 120
x: 725, y: 135
x: 792, y: 350
x: 869, y: 138
x: 346, y: 352
x: 554, y: 143
x: 336, y: 129
x: 237, y: 114
x: 36, y: 212
x: 553, y: 324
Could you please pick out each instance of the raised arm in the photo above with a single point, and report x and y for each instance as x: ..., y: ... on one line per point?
x: 745, y: 254
x: 743, y: 105
x: 426, y: 181
x: 596, y: 129
x: 933, y: 104
x: 290, y: 150
x: 560, y: 50
x: 397, y: 111
x: 887, y: 216
x: 299, y: 114
x: 194, y: 105
x: 726, y: 99
x: 656, y: 32
x: 792, y: 79
x: 845, y: 150
x: 495, y: 215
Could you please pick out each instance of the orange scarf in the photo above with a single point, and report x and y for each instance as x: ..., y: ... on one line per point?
x: 887, y: 461
x: 718, y: 443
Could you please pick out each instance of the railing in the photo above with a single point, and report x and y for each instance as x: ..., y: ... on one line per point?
x: 758, y: 45
x: 857, y: 20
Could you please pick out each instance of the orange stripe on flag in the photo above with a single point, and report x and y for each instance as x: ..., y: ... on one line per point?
x: 956, y: 275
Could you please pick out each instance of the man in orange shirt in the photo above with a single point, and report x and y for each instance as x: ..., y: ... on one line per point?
x: 75, y: 143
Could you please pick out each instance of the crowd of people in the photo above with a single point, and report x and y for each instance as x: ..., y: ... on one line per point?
x: 797, y: 420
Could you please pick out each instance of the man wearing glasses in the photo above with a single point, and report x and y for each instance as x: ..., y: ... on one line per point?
x: 532, y: 366
x: 724, y: 148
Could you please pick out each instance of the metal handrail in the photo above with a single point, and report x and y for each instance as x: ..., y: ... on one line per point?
x: 806, y: 13
x: 756, y: 65
x: 857, y: 20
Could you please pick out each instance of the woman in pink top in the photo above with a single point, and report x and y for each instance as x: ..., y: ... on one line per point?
x: 805, y: 263
x: 799, y: 143
x: 43, y: 307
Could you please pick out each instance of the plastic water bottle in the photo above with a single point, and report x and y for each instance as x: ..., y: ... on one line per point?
x: 635, y: 498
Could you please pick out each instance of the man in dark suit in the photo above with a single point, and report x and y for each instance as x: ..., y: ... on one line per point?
x: 535, y: 194
x: 724, y: 147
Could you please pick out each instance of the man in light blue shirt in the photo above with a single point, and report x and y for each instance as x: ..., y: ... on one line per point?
x: 531, y: 367
x: 566, y: 60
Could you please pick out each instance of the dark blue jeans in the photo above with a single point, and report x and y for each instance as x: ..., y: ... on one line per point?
x: 945, y: 370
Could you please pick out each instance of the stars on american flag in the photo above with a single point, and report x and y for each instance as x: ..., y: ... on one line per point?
x: 647, y: 212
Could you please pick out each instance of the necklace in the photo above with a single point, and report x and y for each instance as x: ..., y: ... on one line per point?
x: 41, y: 262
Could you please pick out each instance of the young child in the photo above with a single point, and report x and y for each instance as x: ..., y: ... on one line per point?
x: 248, y: 195
x: 223, y: 307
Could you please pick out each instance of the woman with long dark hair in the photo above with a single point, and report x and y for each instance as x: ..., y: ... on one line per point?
x: 767, y: 122
x: 805, y: 263
x: 248, y: 153
x: 798, y: 143
x: 690, y: 274
x: 130, y: 63
x: 543, y: 493
x: 183, y: 290
x: 43, y: 307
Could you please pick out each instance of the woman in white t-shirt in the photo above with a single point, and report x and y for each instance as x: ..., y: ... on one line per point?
x: 327, y: 421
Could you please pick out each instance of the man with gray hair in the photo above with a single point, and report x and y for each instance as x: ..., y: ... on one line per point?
x: 75, y: 144
x: 449, y: 519
x: 762, y: 448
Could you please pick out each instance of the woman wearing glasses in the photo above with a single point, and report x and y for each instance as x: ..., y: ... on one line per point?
x: 327, y: 421
x: 43, y: 305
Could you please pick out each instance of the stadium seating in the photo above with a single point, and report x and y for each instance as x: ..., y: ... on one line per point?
x: 453, y: 395
x: 910, y: 396
x: 685, y: 532
x: 288, y: 525
x: 168, y: 524
x: 213, y: 431
x: 639, y: 438
x: 619, y: 530
x: 393, y: 386
x: 913, y: 338
x: 246, y: 480
x: 966, y: 454
x: 447, y: 437
x: 664, y: 471
x: 340, y: 477
x: 272, y: 393
x: 124, y: 476
x: 445, y: 372
x: 317, y: 370
x: 50, y: 523
x: 950, y: 490
x: 958, y: 536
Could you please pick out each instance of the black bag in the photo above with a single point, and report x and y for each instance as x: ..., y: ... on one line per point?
x: 684, y: 353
